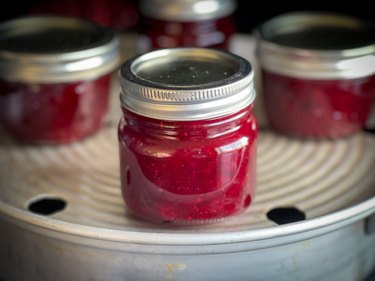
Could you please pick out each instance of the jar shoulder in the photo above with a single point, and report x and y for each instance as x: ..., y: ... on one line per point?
x: 242, y: 137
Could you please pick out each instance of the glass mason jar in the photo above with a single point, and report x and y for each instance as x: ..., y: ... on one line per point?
x: 188, y: 135
x: 187, y: 23
x: 318, y: 72
x: 55, y: 77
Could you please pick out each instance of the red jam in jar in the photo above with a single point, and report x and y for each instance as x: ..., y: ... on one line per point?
x: 55, y: 78
x: 318, y: 73
x: 186, y: 23
x: 122, y: 15
x: 188, y: 135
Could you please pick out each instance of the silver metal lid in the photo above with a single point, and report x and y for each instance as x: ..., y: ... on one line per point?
x: 186, y: 84
x: 55, y: 49
x: 317, y: 45
x: 186, y: 10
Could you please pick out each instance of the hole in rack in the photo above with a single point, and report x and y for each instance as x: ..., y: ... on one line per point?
x: 46, y: 205
x: 286, y: 215
x: 369, y: 130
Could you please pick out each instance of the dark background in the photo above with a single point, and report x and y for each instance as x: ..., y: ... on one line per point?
x: 249, y: 13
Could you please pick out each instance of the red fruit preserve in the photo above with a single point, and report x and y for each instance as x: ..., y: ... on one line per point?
x: 318, y: 74
x: 54, y: 78
x: 122, y: 15
x: 317, y: 108
x: 61, y: 112
x: 188, y: 135
x: 186, y: 23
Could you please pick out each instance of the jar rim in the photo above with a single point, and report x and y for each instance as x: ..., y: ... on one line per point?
x: 305, y: 56
x: 217, y: 95
x: 81, y: 49
x: 187, y: 10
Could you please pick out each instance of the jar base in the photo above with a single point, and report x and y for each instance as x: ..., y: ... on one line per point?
x: 184, y: 222
x: 49, y: 140
x: 323, y: 137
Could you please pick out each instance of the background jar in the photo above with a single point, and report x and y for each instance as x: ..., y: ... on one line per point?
x: 318, y: 73
x: 187, y: 136
x: 186, y: 23
x: 55, y: 77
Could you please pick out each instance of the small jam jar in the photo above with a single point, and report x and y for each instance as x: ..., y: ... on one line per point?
x: 187, y: 23
x: 318, y: 73
x: 55, y: 77
x: 188, y: 135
